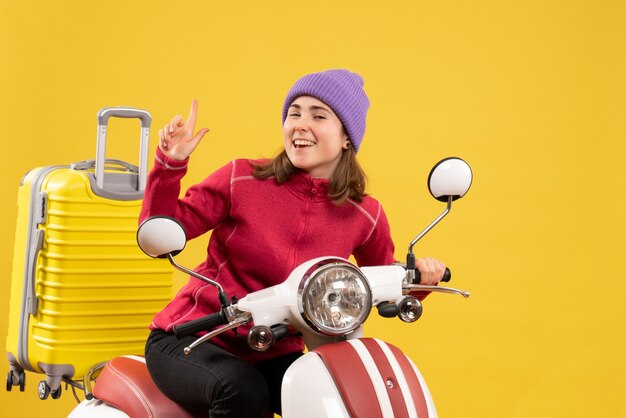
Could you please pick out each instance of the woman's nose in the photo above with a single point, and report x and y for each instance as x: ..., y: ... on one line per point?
x: 301, y: 128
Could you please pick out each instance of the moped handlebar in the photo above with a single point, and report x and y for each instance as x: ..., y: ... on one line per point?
x: 205, y: 323
x: 447, y: 275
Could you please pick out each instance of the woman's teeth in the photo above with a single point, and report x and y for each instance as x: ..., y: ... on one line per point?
x: 301, y: 143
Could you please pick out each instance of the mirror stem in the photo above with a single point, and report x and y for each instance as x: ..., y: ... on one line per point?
x: 432, y: 225
x: 410, y: 257
x: 224, y: 302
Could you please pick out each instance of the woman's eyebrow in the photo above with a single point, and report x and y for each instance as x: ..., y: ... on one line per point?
x: 313, y: 107
x: 319, y: 108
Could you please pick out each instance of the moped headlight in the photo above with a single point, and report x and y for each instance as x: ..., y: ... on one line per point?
x: 334, y: 297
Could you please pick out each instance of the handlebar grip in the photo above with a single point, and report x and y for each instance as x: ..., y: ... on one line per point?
x: 205, y: 323
x: 447, y: 275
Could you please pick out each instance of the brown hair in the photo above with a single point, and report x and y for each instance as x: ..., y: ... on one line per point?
x: 348, y: 181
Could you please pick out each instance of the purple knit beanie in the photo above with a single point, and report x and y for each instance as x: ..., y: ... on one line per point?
x: 342, y: 90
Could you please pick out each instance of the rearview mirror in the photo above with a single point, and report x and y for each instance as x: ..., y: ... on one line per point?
x: 159, y: 236
x: 450, y: 177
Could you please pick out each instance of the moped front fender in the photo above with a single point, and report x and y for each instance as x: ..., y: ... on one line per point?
x: 355, y: 378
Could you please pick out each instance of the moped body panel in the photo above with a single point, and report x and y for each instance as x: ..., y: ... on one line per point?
x: 309, y: 391
x: 279, y: 304
x: 96, y: 408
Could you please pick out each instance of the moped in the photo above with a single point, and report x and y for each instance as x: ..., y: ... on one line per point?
x: 327, y: 300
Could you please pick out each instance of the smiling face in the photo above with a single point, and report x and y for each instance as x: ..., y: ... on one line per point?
x: 314, y: 137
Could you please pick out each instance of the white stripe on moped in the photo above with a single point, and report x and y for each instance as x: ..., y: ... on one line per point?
x: 375, y: 377
x: 404, y: 386
x: 432, y: 411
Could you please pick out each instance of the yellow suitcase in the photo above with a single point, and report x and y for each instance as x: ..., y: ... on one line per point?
x: 82, y: 292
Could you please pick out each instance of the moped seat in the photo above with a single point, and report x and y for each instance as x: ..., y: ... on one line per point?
x: 126, y: 384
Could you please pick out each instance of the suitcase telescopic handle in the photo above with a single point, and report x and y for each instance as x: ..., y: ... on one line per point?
x: 103, y: 121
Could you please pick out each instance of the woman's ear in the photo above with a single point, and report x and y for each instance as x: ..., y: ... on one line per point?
x: 347, y: 144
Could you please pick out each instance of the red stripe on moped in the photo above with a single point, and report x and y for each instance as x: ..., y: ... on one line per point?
x: 396, y: 397
x: 351, y: 379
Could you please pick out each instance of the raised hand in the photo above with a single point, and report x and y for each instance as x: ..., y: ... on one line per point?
x: 176, y: 139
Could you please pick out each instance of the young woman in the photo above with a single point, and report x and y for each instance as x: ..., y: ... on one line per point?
x: 267, y: 217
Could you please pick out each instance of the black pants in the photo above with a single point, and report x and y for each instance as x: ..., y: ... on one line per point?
x: 213, y: 382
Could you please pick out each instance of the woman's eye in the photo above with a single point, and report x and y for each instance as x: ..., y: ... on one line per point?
x: 294, y: 114
x: 320, y: 117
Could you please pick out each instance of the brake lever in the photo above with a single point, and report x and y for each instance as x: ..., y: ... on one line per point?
x: 441, y: 289
x: 237, y: 322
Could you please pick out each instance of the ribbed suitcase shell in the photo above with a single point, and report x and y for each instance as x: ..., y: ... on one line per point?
x: 95, y: 290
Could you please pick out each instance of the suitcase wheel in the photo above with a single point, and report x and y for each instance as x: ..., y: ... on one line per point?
x: 56, y: 394
x: 43, y: 390
x: 11, y: 380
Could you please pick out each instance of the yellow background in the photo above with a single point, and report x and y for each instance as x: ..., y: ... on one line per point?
x: 530, y: 93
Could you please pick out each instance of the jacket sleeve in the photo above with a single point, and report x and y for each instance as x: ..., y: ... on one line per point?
x: 378, y: 248
x: 204, y: 205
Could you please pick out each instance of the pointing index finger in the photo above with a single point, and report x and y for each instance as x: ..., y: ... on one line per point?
x: 193, y: 113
